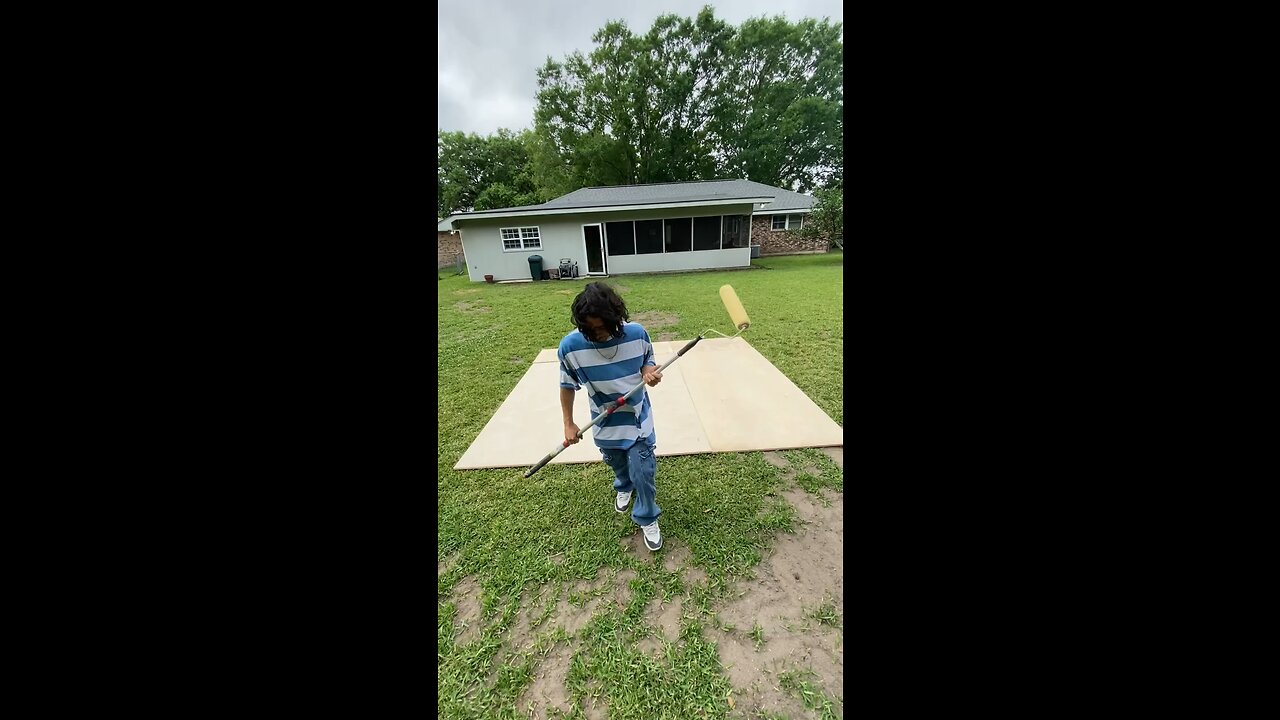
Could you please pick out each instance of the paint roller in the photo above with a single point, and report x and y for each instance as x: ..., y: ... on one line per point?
x: 737, y: 313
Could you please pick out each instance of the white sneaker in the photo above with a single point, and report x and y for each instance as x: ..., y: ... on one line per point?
x: 652, y: 536
x: 620, y: 502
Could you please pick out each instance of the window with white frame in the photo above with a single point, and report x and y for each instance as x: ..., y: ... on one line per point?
x: 787, y: 222
x: 525, y: 238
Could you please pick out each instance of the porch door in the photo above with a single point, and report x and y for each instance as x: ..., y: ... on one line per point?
x: 595, y: 249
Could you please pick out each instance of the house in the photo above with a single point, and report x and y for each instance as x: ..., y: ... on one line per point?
x: 448, y: 246
x: 636, y: 229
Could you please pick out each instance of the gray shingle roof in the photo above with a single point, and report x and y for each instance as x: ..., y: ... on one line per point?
x: 653, y: 194
x: 784, y: 200
x: 661, y: 193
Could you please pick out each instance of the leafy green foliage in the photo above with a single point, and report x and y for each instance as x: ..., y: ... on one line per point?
x: 826, y: 221
x: 779, y: 111
x: 690, y: 99
x: 697, y: 99
x: 483, y: 173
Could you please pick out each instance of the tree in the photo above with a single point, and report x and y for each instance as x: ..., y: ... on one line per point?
x: 461, y: 168
x: 826, y: 220
x: 694, y: 99
x: 691, y: 99
x: 593, y: 112
x: 482, y: 173
x: 781, y: 103
x: 636, y: 109
x: 553, y: 174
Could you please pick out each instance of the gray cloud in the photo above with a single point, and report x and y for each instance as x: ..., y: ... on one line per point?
x: 490, y: 50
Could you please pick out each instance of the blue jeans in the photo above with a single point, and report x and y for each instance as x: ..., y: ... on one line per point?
x: 636, y: 470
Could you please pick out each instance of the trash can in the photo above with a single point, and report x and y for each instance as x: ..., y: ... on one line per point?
x: 535, y: 266
x: 755, y: 251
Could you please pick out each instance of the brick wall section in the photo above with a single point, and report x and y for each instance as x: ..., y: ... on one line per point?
x: 449, y: 247
x: 782, y: 242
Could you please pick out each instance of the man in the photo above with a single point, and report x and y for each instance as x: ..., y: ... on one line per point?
x: 610, y: 356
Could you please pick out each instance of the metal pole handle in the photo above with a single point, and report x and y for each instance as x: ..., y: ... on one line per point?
x: 609, y: 409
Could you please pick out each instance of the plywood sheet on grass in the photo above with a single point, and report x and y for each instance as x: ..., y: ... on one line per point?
x: 745, y: 403
x: 722, y: 396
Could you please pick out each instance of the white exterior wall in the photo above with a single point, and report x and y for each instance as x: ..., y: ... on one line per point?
x: 482, y: 244
x: 562, y: 237
x: 692, y: 260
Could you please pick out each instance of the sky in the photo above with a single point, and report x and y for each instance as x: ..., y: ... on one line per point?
x: 490, y: 50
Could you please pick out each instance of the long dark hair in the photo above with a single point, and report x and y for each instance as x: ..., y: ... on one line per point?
x: 599, y: 300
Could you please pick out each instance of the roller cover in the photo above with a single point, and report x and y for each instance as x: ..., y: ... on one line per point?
x: 737, y: 313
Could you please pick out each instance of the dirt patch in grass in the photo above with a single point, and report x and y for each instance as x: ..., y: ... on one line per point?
x: 695, y: 576
x: 523, y: 632
x: 666, y: 617
x: 515, y: 360
x: 651, y: 319
x: 573, y: 617
x: 650, y: 646
x: 595, y: 707
x: 577, y: 605
x: 466, y: 598
x: 776, y: 460
x: 801, y: 579
x: 756, y: 689
x: 466, y: 291
x: 633, y: 545
x: 471, y: 307
x: 548, y: 691
x: 666, y: 336
x: 676, y: 557
x: 622, y: 590
x: 836, y: 454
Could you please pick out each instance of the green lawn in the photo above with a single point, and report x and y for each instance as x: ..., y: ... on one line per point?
x: 528, y: 540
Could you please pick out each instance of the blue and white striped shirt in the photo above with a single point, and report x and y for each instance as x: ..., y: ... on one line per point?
x: 609, y: 370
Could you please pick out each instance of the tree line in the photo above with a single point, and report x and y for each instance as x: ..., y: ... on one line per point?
x: 691, y: 99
